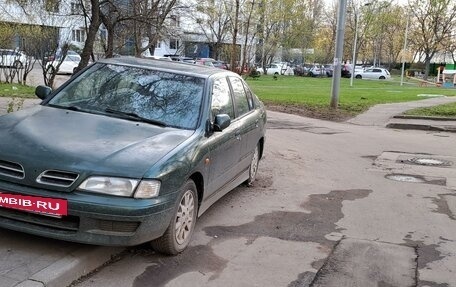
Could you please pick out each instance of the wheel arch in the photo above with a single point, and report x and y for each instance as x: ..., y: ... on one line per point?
x: 198, y: 179
x: 261, y: 142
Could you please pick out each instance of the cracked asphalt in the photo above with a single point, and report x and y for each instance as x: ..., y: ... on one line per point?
x: 322, y: 213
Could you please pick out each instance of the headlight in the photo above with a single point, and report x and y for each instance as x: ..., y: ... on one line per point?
x: 122, y: 186
x: 110, y: 185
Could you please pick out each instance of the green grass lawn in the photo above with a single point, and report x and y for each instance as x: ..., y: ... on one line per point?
x: 448, y: 110
x: 315, y: 93
x: 17, y: 91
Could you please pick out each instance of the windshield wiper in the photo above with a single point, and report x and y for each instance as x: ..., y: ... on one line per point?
x: 72, y: 108
x: 135, y: 117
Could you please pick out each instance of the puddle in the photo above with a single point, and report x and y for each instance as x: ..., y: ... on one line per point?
x: 411, y: 178
x: 405, y: 178
x: 428, y: 161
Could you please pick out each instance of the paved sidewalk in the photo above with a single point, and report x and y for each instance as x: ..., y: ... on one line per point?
x: 384, y: 115
x: 16, y: 104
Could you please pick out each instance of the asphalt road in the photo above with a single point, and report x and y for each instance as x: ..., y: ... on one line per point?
x: 322, y: 213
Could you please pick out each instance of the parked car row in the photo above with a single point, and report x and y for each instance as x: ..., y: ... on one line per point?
x: 12, y: 58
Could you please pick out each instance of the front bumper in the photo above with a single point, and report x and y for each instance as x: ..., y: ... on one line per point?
x: 93, y: 218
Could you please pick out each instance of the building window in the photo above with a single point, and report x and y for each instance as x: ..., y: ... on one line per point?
x: 175, y: 21
x: 78, y: 35
x: 76, y: 8
x: 52, y: 5
x: 174, y: 44
x: 158, y: 45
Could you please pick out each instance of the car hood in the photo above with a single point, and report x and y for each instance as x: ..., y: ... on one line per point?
x: 46, y: 138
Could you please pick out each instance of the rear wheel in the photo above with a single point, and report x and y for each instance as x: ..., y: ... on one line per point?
x: 253, y: 168
x: 358, y: 77
x: 179, y: 232
x: 382, y: 77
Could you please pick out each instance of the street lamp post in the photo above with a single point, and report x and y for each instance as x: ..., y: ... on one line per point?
x: 338, y: 54
x: 355, y: 43
x: 354, y: 48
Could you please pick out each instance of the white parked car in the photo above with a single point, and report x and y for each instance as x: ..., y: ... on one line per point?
x: 373, y: 73
x: 67, y: 66
x: 276, y: 69
x: 11, y: 58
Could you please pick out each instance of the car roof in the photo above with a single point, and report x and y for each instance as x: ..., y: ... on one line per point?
x: 169, y: 66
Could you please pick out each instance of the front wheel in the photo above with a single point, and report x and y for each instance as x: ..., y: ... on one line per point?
x: 179, y: 232
x: 358, y: 76
x: 382, y: 77
x: 253, y: 168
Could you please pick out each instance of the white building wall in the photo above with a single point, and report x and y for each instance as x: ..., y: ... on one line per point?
x: 36, y: 14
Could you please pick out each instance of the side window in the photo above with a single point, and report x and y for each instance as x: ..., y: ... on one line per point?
x: 221, y: 99
x: 249, y: 96
x: 240, y: 97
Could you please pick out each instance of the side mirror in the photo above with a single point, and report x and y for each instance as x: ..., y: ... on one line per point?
x: 42, y: 92
x: 222, y: 121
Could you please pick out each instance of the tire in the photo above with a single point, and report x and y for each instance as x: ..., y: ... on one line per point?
x: 176, y: 238
x: 276, y: 73
x: 358, y: 77
x: 18, y: 65
x: 382, y: 77
x: 253, y: 167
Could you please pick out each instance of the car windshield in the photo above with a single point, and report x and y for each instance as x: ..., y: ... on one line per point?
x: 136, y: 94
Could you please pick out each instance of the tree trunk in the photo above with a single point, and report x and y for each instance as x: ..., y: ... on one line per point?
x: 95, y: 22
x: 235, y: 31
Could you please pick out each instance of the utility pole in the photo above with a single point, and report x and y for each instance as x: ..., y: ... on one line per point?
x: 405, y: 48
x: 338, y: 54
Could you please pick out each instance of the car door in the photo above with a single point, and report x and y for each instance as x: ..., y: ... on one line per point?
x: 369, y: 74
x: 225, y: 145
x: 247, y: 119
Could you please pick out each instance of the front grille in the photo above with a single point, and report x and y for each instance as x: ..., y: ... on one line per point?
x: 57, y: 178
x: 11, y: 169
x: 67, y: 223
x: 117, y: 226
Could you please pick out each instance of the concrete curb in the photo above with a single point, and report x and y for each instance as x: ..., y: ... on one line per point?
x: 71, y: 267
x: 424, y: 127
x: 411, y: 117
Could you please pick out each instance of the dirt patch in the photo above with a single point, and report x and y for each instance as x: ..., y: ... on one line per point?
x: 325, y: 211
x: 322, y: 113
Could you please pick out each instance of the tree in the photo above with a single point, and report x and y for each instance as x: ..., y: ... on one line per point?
x: 148, y: 19
x: 432, y: 26
x: 94, y: 25
x: 213, y: 19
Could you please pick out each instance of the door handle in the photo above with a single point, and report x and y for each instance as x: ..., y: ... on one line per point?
x: 238, y: 135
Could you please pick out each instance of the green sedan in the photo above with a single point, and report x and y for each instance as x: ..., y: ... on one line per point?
x: 129, y: 151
